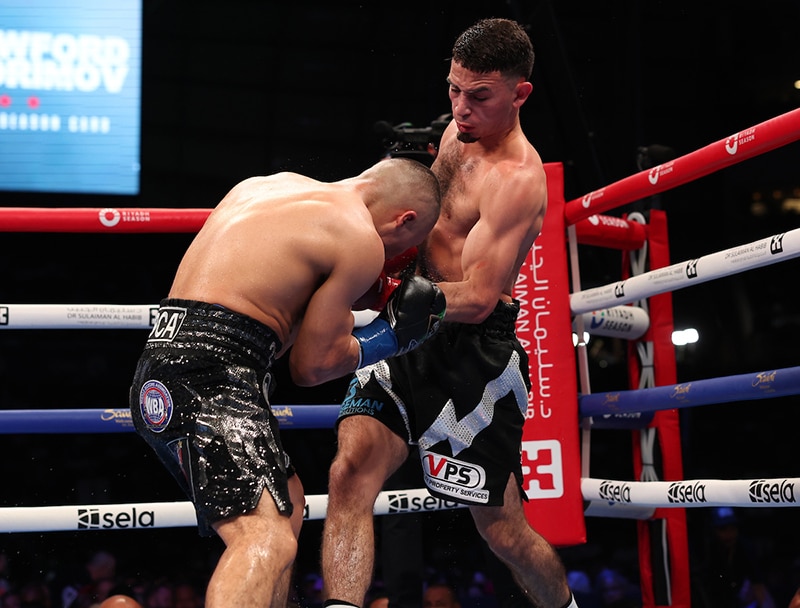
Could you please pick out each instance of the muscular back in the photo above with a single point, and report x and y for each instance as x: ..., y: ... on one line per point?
x: 493, y: 204
x: 270, y: 244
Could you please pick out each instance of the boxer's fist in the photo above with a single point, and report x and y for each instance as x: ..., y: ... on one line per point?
x: 412, y: 314
x: 414, y: 311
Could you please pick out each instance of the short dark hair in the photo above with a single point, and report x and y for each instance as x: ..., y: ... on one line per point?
x: 495, y: 45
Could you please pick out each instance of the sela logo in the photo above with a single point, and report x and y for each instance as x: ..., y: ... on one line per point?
x: 776, y: 244
x: 3, y: 315
x: 95, y: 519
x: 398, y: 503
x: 691, y: 269
x: 686, y: 492
x: 167, y: 324
x: 542, y: 469
x: 452, y: 471
x: 762, y: 490
x: 615, y: 492
x: 619, y: 290
x: 403, y: 503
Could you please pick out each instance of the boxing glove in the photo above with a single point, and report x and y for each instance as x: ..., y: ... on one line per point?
x: 412, y: 314
x: 376, y: 296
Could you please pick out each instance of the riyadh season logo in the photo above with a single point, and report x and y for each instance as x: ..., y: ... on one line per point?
x: 737, y: 139
x: 608, y: 221
x: 110, y: 217
x: 587, y: 199
x: 657, y: 173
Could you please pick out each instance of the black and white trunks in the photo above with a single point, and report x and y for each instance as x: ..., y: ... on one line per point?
x: 461, y: 397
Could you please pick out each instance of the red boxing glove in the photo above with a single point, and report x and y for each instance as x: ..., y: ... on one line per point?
x: 400, y: 262
x: 376, y: 296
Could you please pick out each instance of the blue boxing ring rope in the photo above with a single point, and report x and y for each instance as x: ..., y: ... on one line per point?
x: 628, y: 404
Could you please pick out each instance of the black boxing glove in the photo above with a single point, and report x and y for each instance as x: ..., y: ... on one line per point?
x: 412, y: 315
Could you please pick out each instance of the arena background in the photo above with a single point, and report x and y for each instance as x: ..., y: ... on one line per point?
x: 239, y: 88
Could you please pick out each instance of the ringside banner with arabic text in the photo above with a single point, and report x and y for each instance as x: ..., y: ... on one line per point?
x: 550, y: 439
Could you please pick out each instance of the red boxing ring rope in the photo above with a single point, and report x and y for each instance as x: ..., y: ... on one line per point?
x: 766, y: 136
x: 108, y: 219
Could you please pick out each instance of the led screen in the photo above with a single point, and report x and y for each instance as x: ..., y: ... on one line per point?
x: 70, y: 80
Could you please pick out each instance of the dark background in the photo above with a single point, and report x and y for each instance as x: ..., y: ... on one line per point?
x: 241, y: 88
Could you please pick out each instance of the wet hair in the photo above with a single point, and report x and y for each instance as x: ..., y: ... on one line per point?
x: 495, y: 45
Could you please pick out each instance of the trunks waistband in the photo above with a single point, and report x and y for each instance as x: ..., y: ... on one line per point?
x: 200, y: 324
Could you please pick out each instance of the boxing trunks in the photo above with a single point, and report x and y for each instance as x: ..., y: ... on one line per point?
x: 199, y: 398
x: 461, y: 397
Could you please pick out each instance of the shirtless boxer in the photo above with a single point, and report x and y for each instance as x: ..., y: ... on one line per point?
x: 462, y: 396
x: 279, y: 263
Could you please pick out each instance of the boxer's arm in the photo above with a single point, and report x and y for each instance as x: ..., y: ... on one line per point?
x: 511, y: 215
x: 324, y: 348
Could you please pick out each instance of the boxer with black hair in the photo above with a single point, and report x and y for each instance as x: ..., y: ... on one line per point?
x: 462, y: 396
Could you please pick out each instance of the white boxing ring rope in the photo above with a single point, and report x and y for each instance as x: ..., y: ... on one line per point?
x: 132, y: 516
x: 776, y: 492
x: 763, y: 252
